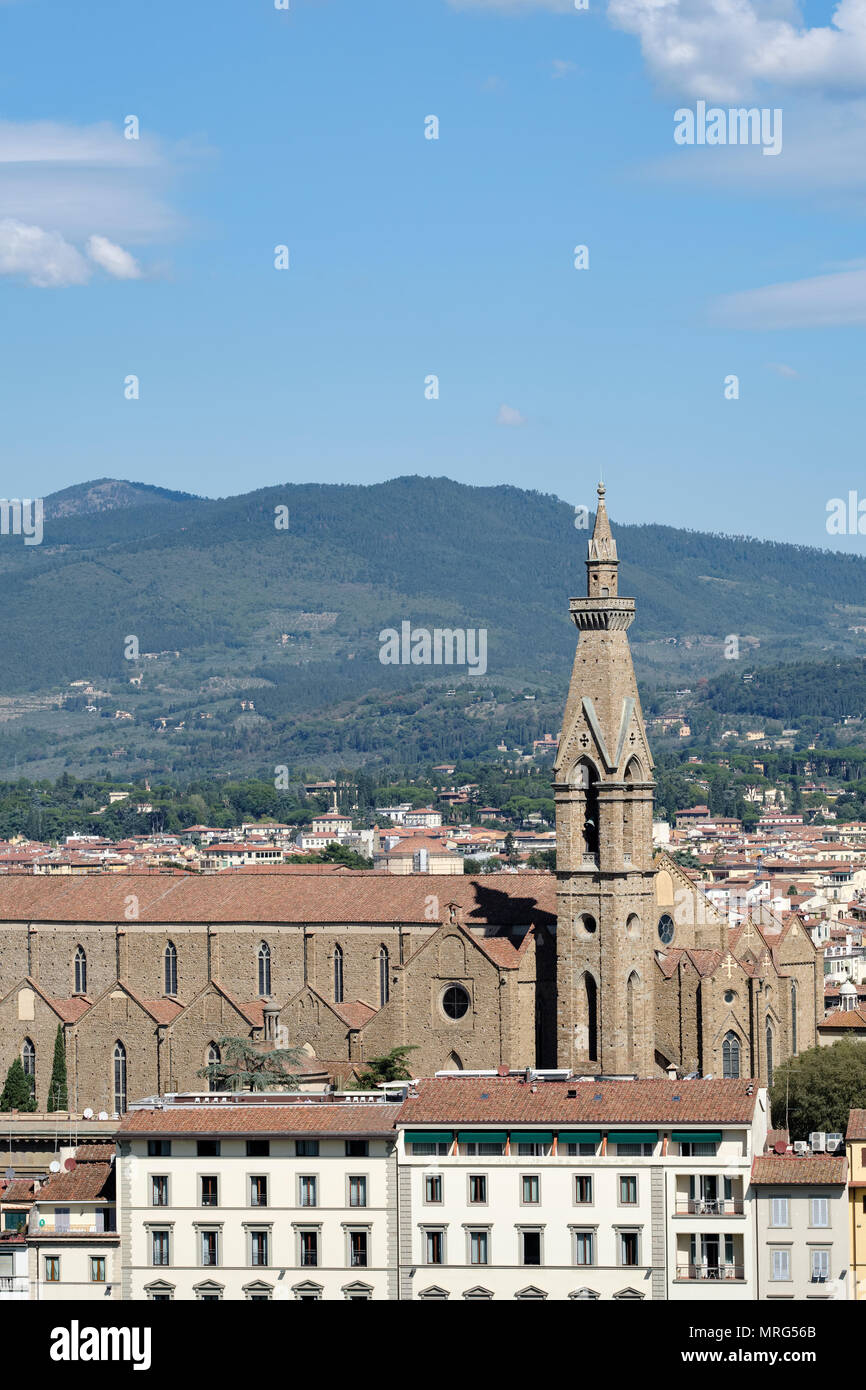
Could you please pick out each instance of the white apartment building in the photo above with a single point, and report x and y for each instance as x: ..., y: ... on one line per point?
x: 258, y: 1196
x: 578, y: 1188
x: 801, y: 1214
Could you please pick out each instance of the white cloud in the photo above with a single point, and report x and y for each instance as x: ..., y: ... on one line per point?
x: 822, y: 301
x: 113, y: 259
x: 562, y: 67
x: 722, y: 49
x: 44, y: 259
x: 782, y: 369
x: 507, y: 415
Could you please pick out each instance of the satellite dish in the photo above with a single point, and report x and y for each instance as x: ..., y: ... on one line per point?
x: 54, y: 1166
x: 69, y: 1164
x: 88, y: 1114
x: 780, y: 1147
x: 10, y: 1174
x: 103, y: 1115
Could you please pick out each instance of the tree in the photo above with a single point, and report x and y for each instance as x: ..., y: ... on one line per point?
x: 18, y: 1093
x: 390, y: 1067
x: 243, y: 1067
x: 818, y: 1088
x: 58, y: 1094
x: 508, y: 847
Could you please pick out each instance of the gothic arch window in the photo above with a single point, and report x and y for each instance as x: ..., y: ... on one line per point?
x: 338, y: 975
x: 454, y: 1062
x: 793, y: 1016
x: 170, y: 969
x: 28, y: 1062
x: 384, y: 980
x: 590, y: 1008
x: 769, y: 1052
x: 264, y: 970
x: 214, y: 1057
x: 585, y: 776
x: 731, y: 1055
x: 119, y: 1078
x: 80, y: 970
x: 631, y: 813
x: 631, y: 1011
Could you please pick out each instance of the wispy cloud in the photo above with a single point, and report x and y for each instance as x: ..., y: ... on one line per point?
x: 507, y: 415
x: 822, y: 301
x: 47, y: 260
x: 782, y: 369
x: 562, y: 67
x: 723, y: 49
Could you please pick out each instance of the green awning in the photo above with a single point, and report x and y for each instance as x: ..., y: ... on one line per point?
x: 531, y: 1136
x: 481, y: 1136
x: 697, y: 1136
x: 643, y: 1136
x: 428, y: 1136
x: 579, y: 1136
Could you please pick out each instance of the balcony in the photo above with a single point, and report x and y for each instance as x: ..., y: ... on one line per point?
x: 14, y: 1283
x: 709, y: 1206
x: 715, y: 1273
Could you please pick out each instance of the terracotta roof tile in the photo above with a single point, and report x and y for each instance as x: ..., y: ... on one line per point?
x: 350, y: 1118
x: 461, y: 1101
x: 856, y: 1126
x: 810, y: 1168
x: 87, y: 1182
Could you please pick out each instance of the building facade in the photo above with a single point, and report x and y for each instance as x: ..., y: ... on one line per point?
x: 801, y: 1214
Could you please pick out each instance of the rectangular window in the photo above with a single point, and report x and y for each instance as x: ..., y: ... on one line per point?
x: 357, y: 1148
x: 429, y: 1150
x: 258, y: 1192
x: 781, y: 1265
x: 307, y: 1148
x: 628, y: 1192
x: 629, y: 1253
x: 259, y: 1248
x: 530, y: 1247
x: 258, y: 1148
x: 472, y: 1150
x: 819, y: 1211
x: 159, y: 1148
x: 357, y: 1192
x: 820, y: 1266
x: 584, y: 1248
x: 159, y: 1245
x: 159, y: 1191
x: 698, y: 1150
x: 207, y: 1148
x: 97, y: 1269
x: 358, y: 1249
x: 532, y: 1150
x: 309, y: 1248
x: 210, y: 1191
x: 433, y: 1188
x: 530, y: 1190
x: 434, y: 1247
x: 581, y: 1150
x: 52, y: 1269
x: 635, y: 1150
x: 779, y: 1211
x: 583, y: 1190
x: 307, y: 1192
x: 209, y: 1247
x: 478, y: 1247
x: 477, y: 1187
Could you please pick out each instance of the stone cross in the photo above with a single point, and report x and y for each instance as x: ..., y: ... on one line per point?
x: 728, y: 965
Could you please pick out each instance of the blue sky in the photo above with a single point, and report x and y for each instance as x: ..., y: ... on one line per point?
x: 453, y: 257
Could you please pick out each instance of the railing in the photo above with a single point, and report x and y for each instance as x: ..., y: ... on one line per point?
x: 13, y: 1283
x: 709, y: 1206
x: 53, y: 1230
x: 713, y: 1272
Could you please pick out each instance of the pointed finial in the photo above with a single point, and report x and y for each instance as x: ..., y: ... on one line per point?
x: 600, y: 489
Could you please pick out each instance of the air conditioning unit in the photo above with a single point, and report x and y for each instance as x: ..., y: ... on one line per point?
x: 834, y: 1142
x: 818, y: 1140
x: 801, y: 1147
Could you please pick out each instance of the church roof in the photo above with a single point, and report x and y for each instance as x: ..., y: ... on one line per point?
x: 506, y: 900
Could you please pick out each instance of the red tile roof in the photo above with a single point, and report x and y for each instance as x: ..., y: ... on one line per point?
x: 844, y: 1018
x: 503, y: 1100
x: 330, y: 1118
x: 275, y: 896
x: 771, y: 1169
x: 87, y: 1182
x: 355, y: 1013
x: 856, y: 1125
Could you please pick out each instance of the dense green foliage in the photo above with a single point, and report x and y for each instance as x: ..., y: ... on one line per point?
x: 823, y: 689
x: 58, y: 1094
x: 392, y: 1066
x: 816, y: 1089
x: 243, y: 1067
x: 17, y: 1089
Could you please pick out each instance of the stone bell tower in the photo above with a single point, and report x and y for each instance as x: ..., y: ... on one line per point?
x: 603, y: 786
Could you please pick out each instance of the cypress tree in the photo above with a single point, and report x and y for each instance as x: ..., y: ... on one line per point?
x: 58, y: 1095
x: 17, y: 1093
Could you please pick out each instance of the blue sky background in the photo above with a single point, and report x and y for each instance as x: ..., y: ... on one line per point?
x: 452, y: 257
